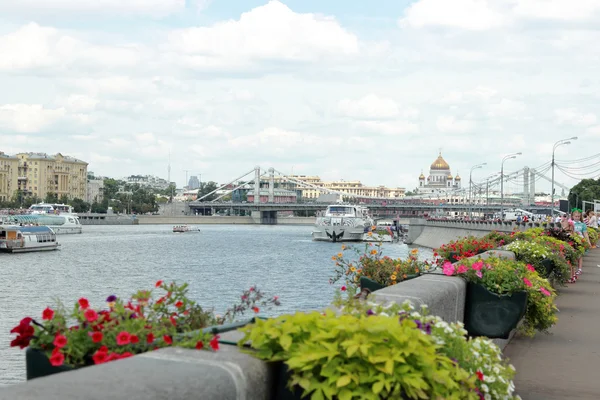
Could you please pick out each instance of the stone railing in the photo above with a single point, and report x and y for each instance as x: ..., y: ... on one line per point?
x: 228, y: 374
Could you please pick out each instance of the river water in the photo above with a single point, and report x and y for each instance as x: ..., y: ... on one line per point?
x: 218, y: 263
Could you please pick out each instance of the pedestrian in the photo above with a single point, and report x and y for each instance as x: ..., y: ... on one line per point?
x: 579, y: 229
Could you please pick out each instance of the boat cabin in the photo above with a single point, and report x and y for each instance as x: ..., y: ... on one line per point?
x: 27, y: 238
x: 346, y: 211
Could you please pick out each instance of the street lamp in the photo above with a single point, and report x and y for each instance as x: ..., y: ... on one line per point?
x: 508, y: 157
x: 556, y: 145
x: 470, y: 185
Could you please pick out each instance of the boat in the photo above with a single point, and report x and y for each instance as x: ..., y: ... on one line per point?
x: 24, y: 239
x: 59, y: 223
x: 49, y: 208
x: 343, y: 223
x: 185, y: 228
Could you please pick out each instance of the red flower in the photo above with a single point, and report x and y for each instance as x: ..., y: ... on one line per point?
x: 90, y: 315
x: 480, y: 375
x: 150, y: 338
x: 160, y: 300
x: 112, y: 357
x: 126, y: 355
x: 179, y: 304
x: 173, y: 320
x: 343, y: 288
x: 97, y: 337
x: 100, y: 356
x: 199, y: 345
x: 84, y: 303
x: 47, y: 314
x: 167, y: 339
x: 255, y: 309
x: 159, y: 283
x: 57, y: 359
x: 60, y: 341
x: 123, y: 338
x: 214, y: 342
x: 21, y: 341
x: 134, y: 339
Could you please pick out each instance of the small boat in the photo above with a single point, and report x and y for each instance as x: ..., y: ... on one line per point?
x: 185, y: 228
x: 24, y: 239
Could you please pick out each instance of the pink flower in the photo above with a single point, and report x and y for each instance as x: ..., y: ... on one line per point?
x: 530, y: 267
x: 479, y: 274
x: 343, y: 288
x: 546, y: 292
x: 527, y: 282
x: 461, y: 269
x: 477, y: 266
x: 448, y: 268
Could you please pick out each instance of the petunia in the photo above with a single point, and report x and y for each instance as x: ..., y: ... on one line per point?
x: 60, y: 341
x: 480, y: 375
x: 448, y: 268
x: 527, y: 282
x: 199, y: 345
x: 343, y: 288
x: 47, y: 314
x: 461, y: 269
x: 57, y: 359
x: 479, y: 274
x: 255, y: 309
x: 90, y: 315
x: 477, y: 266
x: 168, y: 339
x: 83, y: 303
x: 96, y: 337
x: 546, y: 292
x: 150, y: 338
x: 214, y: 342
x: 179, y: 304
x: 158, y: 283
x: 100, y: 356
x: 530, y: 267
x: 123, y: 338
x: 111, y: 299
x: 134, y: 339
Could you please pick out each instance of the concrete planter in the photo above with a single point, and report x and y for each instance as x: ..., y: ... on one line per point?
x: 371, y: 285
x: 549, y: 267
x: 37, y: 365
x: 490, y: 314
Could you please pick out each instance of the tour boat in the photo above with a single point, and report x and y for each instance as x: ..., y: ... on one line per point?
x: 185, y: 228
x: 343, y: 223
x: 48, y: 208
x: 59, y: 223
x: 23, y: 239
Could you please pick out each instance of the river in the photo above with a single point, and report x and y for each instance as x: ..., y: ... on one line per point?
x: 218, y: 263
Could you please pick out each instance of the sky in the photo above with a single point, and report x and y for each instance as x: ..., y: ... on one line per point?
x: 341, y: 89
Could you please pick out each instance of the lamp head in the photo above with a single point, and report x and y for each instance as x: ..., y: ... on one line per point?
x: 519, y: 154
x: 573, y: 138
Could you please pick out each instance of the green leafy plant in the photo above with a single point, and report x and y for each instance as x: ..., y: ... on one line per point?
x: 537, y: 251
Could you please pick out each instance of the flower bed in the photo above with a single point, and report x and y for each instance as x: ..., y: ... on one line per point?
x: 87, y: 336
x: 372, y: 351
x: 464, y: 248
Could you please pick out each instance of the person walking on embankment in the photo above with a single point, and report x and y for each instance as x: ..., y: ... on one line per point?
x: 580, y: 229
x: 592, y: 222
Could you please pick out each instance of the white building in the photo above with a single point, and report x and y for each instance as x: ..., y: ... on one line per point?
x: 440, y: 179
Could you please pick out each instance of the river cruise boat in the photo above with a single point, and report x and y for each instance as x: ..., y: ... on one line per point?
x: 185, y: 228
x: 343, y: 223
x: 60, y: 223
x: 24, y: 239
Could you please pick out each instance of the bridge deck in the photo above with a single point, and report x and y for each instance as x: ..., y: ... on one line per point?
x: 566, y: 364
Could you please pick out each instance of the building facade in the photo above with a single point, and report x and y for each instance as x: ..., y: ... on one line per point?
x: 440, y: 179
x: 40, y: 174
x: 193, y: 183
x: 148, y: 180
x: 355, y: 188
x: 95, y: 190
x: 280, y: 196
x: 9, y: 166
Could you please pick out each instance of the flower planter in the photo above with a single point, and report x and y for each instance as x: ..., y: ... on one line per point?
x: 548, y: 267
x: 37, y: 365
x: 366, y: 283
x: 492, y: 315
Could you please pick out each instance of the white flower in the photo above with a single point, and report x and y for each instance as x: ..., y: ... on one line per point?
x: 485, y: 388
x: 487, y: 397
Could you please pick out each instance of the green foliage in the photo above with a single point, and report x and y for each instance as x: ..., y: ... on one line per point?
x: 51, y: 198
x: 206, y: 188
x: 79, y: 206
x: 585, y: 190
x: 359, y: 356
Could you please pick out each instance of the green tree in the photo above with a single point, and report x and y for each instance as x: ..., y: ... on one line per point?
x: 64, y: 199
x: 99, y: 208
x: 79, y: 206
x: 206, y: 188
x: 51, y: 198
x: 585, y: 190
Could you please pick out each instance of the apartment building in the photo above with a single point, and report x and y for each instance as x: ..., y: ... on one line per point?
x: 39, y: 174
x: 355, y: 188
x: 9, y: 166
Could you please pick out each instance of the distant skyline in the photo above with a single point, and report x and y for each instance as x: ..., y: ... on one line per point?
x: 339, y: 89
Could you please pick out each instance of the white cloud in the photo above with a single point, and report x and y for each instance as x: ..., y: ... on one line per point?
x: 574, y: 117
x: 372, y: 106
x: 557, y: 9
x: 388, y: 127
x: 267, y: 33
x: 28, y: 118
x: 35, y: 47
x: 450, y: 124
x: 466, y: 14
x: 506, y: 108
x: 128, y: 7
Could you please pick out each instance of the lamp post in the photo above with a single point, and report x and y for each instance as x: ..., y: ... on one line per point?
x: 508, y: 157
x: 470, y: 186
x: 556, y: 145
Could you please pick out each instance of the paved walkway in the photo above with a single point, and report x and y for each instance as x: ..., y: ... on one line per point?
x: 566, y: 364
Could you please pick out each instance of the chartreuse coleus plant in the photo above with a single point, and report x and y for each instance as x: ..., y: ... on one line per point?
x: 367, y: 351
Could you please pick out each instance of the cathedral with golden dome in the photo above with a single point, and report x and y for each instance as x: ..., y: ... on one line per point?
x: 440, y: 178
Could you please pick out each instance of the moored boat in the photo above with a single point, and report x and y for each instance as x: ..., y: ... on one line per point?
x: 24, y: 239
x: 185, y: 228
x: 59, y: 223
x: 342, y: 223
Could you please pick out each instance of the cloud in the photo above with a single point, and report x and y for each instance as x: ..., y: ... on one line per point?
x: 36, y: 47
x: 574, y: 117
x: 450, y: 124
x: 28, y: 118
x: 374, y: 107
x: 154, y: 8
x: 268, y: 33
x: 388, y: 127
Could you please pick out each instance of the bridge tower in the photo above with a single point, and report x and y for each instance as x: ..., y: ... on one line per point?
x: 526, y: 200
x: 256, y: 185
x: 271, y: 185
x: 532, y: 178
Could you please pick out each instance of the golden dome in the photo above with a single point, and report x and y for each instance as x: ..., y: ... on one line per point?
x: 457, y: 178
x: 449, y: 176
x: 421, y: 176
x: 440, y: 164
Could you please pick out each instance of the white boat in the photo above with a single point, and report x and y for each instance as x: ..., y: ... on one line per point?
x: 343, y: 223
x: 59, y: 223
x: 185, y: 228
x: 48, y: 208
x: 24, y: 239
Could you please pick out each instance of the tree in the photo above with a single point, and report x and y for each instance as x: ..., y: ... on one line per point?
x: 51, y: 198
x: 79, y: 206
x: 206, y: 188
x: 585, y: 190
x: 99, y: 208
x: 64, y: 199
